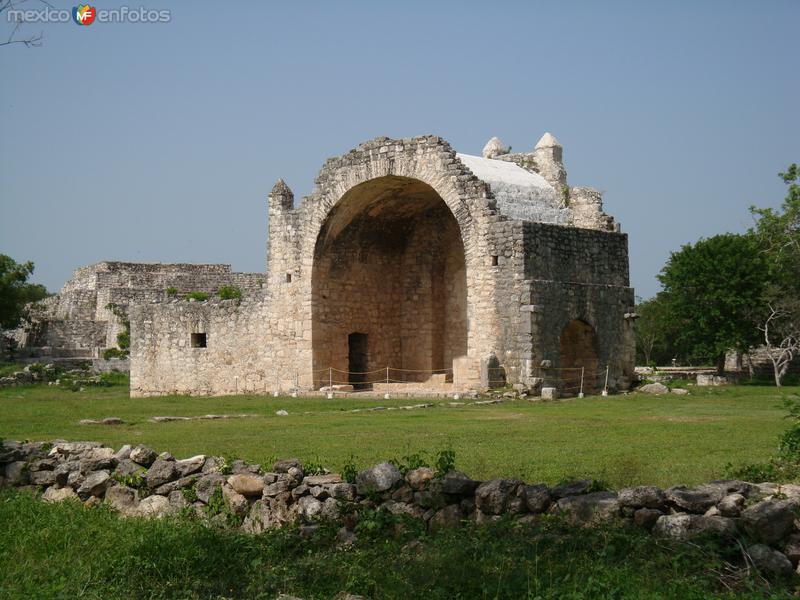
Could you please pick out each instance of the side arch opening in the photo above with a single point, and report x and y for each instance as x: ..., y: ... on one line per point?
x: 579, y: 356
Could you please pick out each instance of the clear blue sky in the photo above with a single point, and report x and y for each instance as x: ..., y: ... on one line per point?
x: 160, y: 142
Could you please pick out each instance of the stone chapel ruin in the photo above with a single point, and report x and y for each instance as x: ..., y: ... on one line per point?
x: 411, y: 266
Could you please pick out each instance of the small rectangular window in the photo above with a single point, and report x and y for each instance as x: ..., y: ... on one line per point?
x: 494, y: 261
x: 288, y: 278
x: 198, y: 340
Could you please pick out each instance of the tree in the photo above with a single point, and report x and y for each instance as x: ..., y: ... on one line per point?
x: 778, y: 235
x: 33, y: 40
x: 710, y: 289
x: 654, y: 332
x: 15, y: 291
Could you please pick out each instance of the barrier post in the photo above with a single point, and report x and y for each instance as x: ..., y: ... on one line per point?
x: 580, y: 394
x: 605, y: 385
x: 330, y: 383
x: 386, y: 395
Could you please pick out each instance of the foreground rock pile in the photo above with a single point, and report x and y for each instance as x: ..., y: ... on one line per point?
x: 137, y: 481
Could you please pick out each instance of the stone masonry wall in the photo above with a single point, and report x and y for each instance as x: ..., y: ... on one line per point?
x: 247, y: 351
x: 548, y: 276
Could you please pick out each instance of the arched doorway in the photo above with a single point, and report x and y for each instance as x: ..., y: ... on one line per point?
x: 388, y: 285
x: 579, y: 353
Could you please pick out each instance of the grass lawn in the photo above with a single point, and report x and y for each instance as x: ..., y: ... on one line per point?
x: 624, y: 440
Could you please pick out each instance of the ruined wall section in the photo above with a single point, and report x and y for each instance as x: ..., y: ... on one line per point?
x: 246, y: 351
x: 77, y: 318
x: 586, y: 205
x: 546, y: 276
x: 579, y: 274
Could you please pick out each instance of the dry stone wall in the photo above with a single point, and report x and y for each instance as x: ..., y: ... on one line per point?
x: 138, y: 482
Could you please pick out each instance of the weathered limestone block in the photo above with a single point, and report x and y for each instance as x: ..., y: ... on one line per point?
x: 418, y: 478
x: 549, y: 393
x: 731, y: 505
x: 643, y: 496
x: 379, y: 478
x: 53, y: 494
x: 122, y: 498
x: 686, y: 527
x: 247, y: 485
x: 154, y: 507
x: 143, y: 455
x: 190, y: 465
x: 161, y: 472
x: 94, y: 484
x: 207, y: 486
x: 770, y: 522
x: 493, y: 497
x: 590, y: 508
x: 235, y: 501
x: 537, y: 498
x: 654, y: 388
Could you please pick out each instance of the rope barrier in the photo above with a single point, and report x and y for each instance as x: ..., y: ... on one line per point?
x: 358, y: 372
x: 568, y: 379
x: 383, y: 370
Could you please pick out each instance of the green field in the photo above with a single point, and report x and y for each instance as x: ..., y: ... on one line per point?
x: 623, y: 440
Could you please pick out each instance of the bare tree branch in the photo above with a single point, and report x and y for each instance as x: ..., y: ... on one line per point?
x: 32, y: 41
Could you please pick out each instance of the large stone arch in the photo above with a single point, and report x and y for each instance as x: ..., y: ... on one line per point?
x: 383, y: 166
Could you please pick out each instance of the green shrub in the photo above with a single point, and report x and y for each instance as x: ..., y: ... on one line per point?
x: 410, y: 462
x: 171, y: 291
x: 114, y: 353
x: 349, y: 470
x: 445, y: 461
x: 225, y: 464
x: 199, y: 296
x: 229, y: 292
x: 189, y: 493
x: 133, y: 480
x: 314, y: 467
x: 124, y: 337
